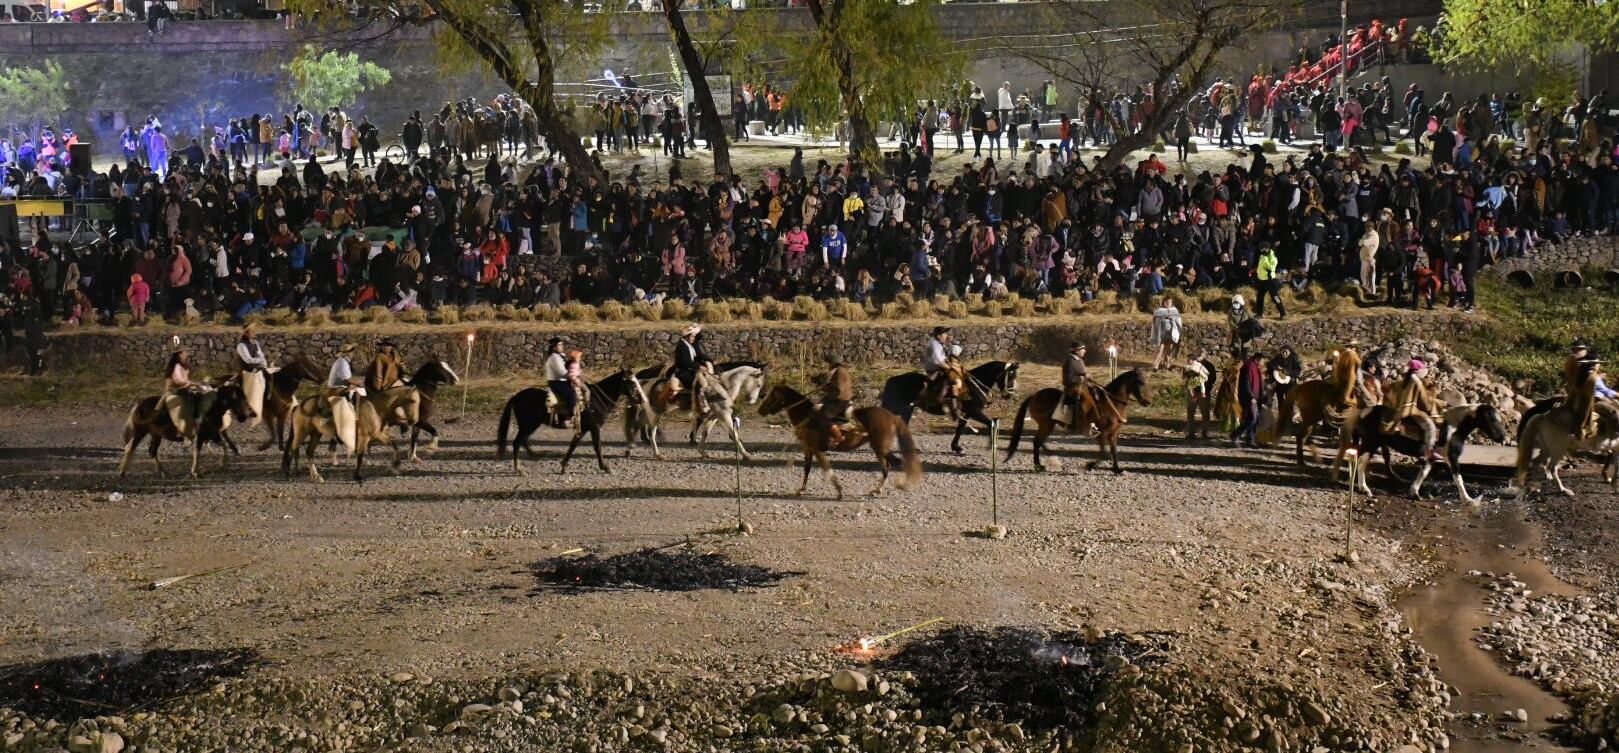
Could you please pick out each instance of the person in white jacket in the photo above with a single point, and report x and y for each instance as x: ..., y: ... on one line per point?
x: 1369, y: 243
x: 1166, y: 334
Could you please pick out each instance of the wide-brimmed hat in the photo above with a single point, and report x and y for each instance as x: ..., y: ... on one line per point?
x: 347, y: 348
x: 1280, y: 377
x: 387, y: 344
x: 249, y: 329
x: 1578, y: 345
x: 1076, y: 345
x: 941, y: 331
x: 691, y: 331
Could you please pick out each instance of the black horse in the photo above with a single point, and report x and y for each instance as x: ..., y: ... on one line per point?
x: 901, y: 393
x: 529, y: 407
x: 1460, y: 424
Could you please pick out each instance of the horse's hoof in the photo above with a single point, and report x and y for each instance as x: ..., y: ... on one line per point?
x: 958, y: 451
x: 1118, y: 471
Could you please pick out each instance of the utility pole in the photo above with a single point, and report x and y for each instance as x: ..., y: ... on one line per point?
x: 1343, y: 51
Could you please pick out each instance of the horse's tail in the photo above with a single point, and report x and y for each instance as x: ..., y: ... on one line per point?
x: 500, y: 430
x: 1017, y: 428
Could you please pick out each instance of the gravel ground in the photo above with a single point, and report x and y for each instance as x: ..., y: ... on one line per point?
x: 422, y: 609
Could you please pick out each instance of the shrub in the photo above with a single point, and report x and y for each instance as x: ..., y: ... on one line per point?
x: 613, y: 311
x: 1191, y: 147
x: 379, y: 315
x: 1268, y: 145
x: 1402, y: 147
x: 956, y: 310
x: 350, y: 316
x: 416, y: 315
x: 674, y: 308
x: 1023, y: 307
x: 318, y: 316
x: 710, y: 312
x: 478, y: 312
x: 1158, y: 146
x: 575, y: 311
x: 447, y: 314
x: 647, y: 310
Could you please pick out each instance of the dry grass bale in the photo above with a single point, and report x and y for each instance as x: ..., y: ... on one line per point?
x: 122, y: 319
x: 281, y: 316
x: 413, y: 316
x: 678, y: 310
x: 748, y: 311
x: 710, y: 312
x: 775, y: 310
x: 478, y: 312
x: 350, y: 316
x: 905, y: 299
x: 647, y: 310
x: 922, y: 310
x: 256, y: 317
x: 808, y: 309
x: 547, y: 313
x: 941, y: 302
x: 613, y: 311
x: 956, y: 310
x: 506, y: 312
x: 1213, y: 300
x: 518, y: 314
x: 893, y: 310
x: 1023, y: 307
x: 319, y: 316
x: 994, y: 309
x: 447, y: 314
x: 855, y: 312
x: 379, y: 315
x: 219, y: 317
x: 575, y: 311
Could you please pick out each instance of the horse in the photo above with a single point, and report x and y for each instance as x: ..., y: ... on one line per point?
x: 1111, y: 413
x: 529, y: 407
x: 900, y: 394
x: 1461, y: 422
x: 721, y: 392
x: 281, y: 393
x: 215, y: 411
x: 406, y: 406
x: 875, y: 426
x: 308, y: 424
x: 1548, y: 433
x: 1315, y: 400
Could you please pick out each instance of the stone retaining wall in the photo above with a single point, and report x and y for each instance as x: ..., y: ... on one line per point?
x: 518, y: 348
x: 1598, y: 252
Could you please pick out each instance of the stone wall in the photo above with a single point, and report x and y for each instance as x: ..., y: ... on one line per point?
x: 1598, y: 252
x: 518, y: 348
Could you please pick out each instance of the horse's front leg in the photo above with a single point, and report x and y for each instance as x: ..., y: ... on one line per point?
x: 831, y: 475
x: 882, y: 466
x: 196, y: 455
x: 1422, y: 475
x: 736, y: 437
x: 1557, y: 476
x: 808, y: 457
x: 1362, y: 465
x: 955, y: 441
x: 652, y: 434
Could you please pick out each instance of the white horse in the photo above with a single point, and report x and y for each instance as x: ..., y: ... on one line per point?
x: 721, y: 394
x: 1547, y: 436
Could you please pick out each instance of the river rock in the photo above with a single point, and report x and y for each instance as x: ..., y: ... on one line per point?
x: 849, y: 681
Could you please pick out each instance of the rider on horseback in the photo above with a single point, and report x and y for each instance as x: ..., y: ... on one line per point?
x: 689, y: 358
x: 837, y: 396
x: 1411, y: 398
x: 1076, y: 387
x: 249, y: 354
x: 943, y: 378
x: 180, y: 393
x: 341, y: 383
x: 385, y: 370
x: 556, y: 379
x: 1346, y: 374
x: 1579, y: 387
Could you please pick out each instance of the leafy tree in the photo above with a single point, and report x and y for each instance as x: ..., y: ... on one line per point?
x: 1524, y: 34
x: 865, y: 57
x: 1171, y: 48
x: 523, y: 42
x: 33, y: 97
x: 733, y: 36
x: 331, y: 79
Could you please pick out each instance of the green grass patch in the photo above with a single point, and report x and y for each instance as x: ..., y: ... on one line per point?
x: 1528, y: 331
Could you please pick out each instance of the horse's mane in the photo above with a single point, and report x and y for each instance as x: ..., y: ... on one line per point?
x: 1133, y: 376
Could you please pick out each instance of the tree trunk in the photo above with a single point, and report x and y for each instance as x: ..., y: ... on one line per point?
x: 713, y: 128
x: 1115, y: 154
x: 862, y: 139
x: 562, y: 139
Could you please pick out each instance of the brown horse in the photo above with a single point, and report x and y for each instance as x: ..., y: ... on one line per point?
x: 875, y: 426
x: 1317, y: 403
x: 215, y: 411
x: 282, y: 394
x: 1110, y: 414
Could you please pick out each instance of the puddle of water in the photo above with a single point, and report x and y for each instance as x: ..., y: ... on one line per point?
x: 1445, y: 613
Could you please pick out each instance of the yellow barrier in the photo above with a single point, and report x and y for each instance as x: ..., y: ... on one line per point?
x: 40, y: 207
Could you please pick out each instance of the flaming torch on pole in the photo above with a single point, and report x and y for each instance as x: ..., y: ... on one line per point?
x: 466, y: 373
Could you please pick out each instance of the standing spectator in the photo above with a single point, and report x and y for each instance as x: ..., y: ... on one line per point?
x: 1166, y: 334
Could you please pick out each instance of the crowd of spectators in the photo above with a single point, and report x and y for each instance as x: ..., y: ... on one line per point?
x: 1501, y: 177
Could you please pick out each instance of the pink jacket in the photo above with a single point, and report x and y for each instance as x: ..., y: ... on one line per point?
x: 139, y: 293
x: 180, y: 271
x: 674, y: 260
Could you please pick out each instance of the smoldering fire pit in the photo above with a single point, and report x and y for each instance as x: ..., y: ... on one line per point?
x: 115, y: 682
x: 672, y: 568
x: 1040, y: 680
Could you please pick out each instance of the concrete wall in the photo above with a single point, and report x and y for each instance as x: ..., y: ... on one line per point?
x: 518, y: 348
